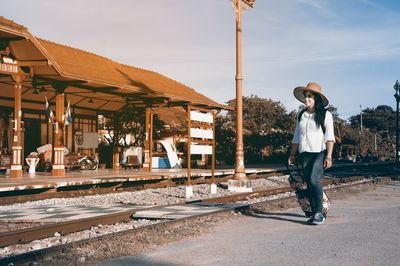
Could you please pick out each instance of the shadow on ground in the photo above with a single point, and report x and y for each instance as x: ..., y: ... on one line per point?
x: 280, y: 216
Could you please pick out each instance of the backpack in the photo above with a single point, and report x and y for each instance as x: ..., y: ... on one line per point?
x: 323, y: 116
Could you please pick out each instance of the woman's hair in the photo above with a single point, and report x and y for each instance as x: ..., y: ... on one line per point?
x: 319, y: 110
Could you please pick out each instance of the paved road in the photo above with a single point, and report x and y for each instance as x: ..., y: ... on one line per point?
x: 361, y: 230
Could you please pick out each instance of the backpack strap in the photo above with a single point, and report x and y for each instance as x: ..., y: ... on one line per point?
x: 300, y: 114
x: 323, y: 115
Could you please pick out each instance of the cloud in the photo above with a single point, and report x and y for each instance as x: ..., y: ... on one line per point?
x: 318, y: 5
x: 349, y: 46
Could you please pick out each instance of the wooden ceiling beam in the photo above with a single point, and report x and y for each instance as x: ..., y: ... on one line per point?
x: 101, y: 106
x: 11, y: 99
x: 32, y: 63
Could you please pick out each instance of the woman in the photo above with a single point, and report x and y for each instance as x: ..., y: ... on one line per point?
x: 313, y: 139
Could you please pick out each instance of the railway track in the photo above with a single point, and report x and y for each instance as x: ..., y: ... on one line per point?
x: 342, y: 170
x: 30, y: 234
x: 78, y: 191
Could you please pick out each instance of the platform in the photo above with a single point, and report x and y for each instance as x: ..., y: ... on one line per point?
x: 184, y: 210
x: 52, y: 213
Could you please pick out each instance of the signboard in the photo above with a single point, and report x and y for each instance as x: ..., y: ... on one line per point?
x: 201, y: 117
x: 87, y: 140
x: 201, y: 149
x: 8, y: 68
x: 201, y: 131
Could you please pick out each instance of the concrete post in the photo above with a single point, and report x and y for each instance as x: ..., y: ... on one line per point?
x: 16, y: 166
x: 58, y: 127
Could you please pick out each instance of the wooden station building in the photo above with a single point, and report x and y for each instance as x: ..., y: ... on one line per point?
x: 32, y: 69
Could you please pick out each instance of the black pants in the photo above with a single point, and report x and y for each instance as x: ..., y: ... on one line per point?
x: 312, y: 164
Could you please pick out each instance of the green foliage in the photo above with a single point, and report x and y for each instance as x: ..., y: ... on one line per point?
x: 381, y: 118
x: 129, y: 121
x: 378, y: 124
x: 262, y: 116
x: 268, y: 130
x: 225, y: 139
x: 267, y: 127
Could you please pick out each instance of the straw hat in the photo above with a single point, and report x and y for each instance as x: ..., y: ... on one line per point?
x: 312, y: 87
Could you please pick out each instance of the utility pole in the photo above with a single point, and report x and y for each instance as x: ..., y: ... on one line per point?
x: 397, y: 97
x: 361, y: 118
x: 239, y: 183
x: 361, y: 129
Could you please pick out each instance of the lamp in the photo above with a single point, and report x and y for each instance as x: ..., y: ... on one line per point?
x: 240, y: 182
x: 244, y: 4
x: 397, y: 97
x: 250, y: 2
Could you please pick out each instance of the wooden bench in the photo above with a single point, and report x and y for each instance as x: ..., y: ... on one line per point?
x: 132, y: 161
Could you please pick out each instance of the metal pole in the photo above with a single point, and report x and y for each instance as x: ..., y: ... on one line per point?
x: 397, y: 97
x: 361, y: 119
x: 397, y: 128
x: 361, y: 129
x: 239, y: 183
x: 239, y: 166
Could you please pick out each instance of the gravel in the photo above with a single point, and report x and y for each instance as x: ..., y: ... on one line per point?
x: 58, y: 239
x: 150, y: 196
x: 160, y: 196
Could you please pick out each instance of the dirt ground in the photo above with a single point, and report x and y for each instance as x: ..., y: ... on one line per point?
x: 156, y: 236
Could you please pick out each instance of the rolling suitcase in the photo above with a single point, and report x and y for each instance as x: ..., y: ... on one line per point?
x: 298, y: 183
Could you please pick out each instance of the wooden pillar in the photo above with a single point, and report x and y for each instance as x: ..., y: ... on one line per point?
x: 189, y: 157
x: 58, y: 142
x: 16, y: 166
x: 73, y: 131
x: 116, y: 164
x: 213, y: 150
x: 151, y: 140
x: 148, y: 145
x: 64, y: 128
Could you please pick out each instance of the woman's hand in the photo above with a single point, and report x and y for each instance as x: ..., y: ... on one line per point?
x: 291, y: 159
x: 328, y: 155
x: 327, y: 163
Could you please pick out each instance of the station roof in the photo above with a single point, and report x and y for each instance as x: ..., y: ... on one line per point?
x: 91, y: 82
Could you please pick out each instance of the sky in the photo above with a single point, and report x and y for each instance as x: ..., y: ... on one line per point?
x: 350, y: 47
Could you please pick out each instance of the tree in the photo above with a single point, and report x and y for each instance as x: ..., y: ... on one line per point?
x: 267, y: 127
x: 261, y: 116
x: 381, y: 118
x: 225, y: 139
x: 129, y: 121
x: 378, y: 124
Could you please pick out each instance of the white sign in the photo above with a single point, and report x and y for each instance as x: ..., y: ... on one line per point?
x: 90, y: 140
x: 200, y: 149
x: 201, y: 133
x: 7, y: 68
x: 201, y: 117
